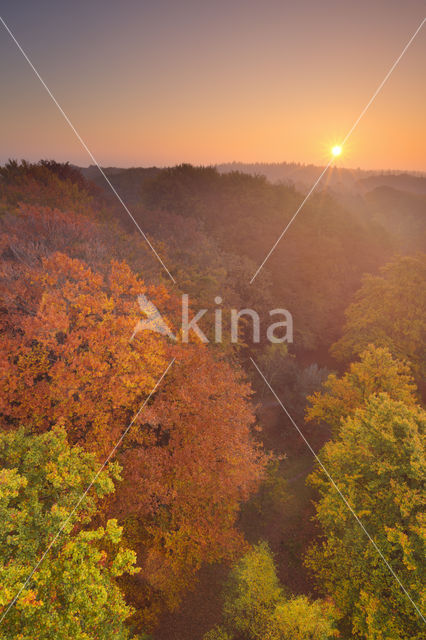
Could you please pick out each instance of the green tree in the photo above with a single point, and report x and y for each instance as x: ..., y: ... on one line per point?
x: 377, y: 371
x: 252, y: 593
x: 256, y: 607
x: 73, y: 593
x: 300, y: 619
x: 378, y: 463
x: 389, y: 311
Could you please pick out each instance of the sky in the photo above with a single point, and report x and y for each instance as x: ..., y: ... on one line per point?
x: 160, y: 82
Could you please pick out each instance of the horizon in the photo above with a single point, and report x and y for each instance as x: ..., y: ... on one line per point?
x: 380, y: 171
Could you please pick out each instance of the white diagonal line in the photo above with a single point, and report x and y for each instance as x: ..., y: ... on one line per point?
x: 294, y: 216
x: 380, y: 87
x: 404, y: 590
x: 84, y: 145
x: 84, y: 494
x: 345, y: 139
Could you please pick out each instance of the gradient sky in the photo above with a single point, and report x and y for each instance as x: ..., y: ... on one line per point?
x: 169, y: 81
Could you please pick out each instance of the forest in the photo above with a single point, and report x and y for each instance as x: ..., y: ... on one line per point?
x: 157, y: 489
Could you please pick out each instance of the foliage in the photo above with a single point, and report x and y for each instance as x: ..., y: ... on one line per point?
x: 191, y: 455
x: 377, y: 371
x: 313, y: 273
x: 389, y: 311
x: 68, y: 289
x: 48, y: 184
x: 378, y: 463
x: 73, y: 360
x: 204, y: 270
x: 73, y: 593
x: 217, y: 633
x: 256, y: 607
x: 198, y: 463
x: 252, y: 593
x: 32, y: 232
x: 300, y: 619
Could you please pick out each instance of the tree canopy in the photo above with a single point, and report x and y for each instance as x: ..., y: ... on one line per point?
x: 378, y: 463
x: 389, y: 311
x: 74, y: 592
x: 376, y: 371
x: 256, y: 606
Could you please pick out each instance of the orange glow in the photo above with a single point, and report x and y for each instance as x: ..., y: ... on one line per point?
x: 161, y: 89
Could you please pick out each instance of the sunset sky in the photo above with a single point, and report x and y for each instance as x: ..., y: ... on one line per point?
x: 168, y: 81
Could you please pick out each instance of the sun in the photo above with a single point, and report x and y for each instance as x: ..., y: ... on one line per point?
x: 336, y: 150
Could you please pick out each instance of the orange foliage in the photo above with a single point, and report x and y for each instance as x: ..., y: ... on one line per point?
x: 72, y: 361
x: 49, y: 184
x: 188, y: 461
x: 198, y: 463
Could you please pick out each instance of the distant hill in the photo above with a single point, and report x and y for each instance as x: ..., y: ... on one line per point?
x: 395, y: 200
x: 303, y: 176
x: 400, y: 182
x: 402, y: 213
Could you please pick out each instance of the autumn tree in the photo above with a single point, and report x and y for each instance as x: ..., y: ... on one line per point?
x: 257, y: 608
x: 48, y: 207
x: 30, y: 233
x: 298, y: 618
x: 190, y: 458
x: 73, y: 593
x: 389, y: 311
x: 73, y: 360
x: 378, y: 463
x: 376, y: 371
x: 186, y: 484
x: 48, y: 184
